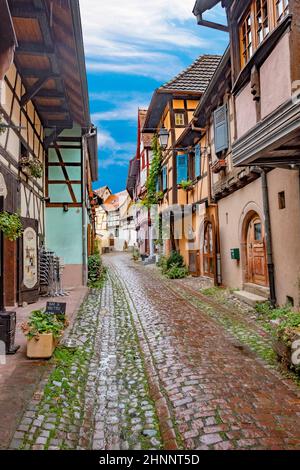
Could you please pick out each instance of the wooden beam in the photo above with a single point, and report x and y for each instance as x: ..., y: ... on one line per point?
x: 54, y: 123
x: 44, y: 93
x: 33, y: 90
x: 35, y: 73
x: 64, y: 182
x: 63, y: 163
x: 51, y: 138
x: 64, y: 170
x: 20, y: 11
x: 52, y: 109
x: 33, y: 48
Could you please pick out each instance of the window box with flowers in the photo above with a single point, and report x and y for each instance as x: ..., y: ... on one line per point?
x: 31, y: 166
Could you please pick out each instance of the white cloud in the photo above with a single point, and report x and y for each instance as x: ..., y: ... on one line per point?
x: 119, y: 153
x: 138, y: 36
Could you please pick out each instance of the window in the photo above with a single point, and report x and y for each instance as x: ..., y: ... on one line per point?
x: 281, y: 9
x: 281, y: 200
x: 182, y: 168
x: 179, y: 119
x: 261, y: 17
x: 246, y: 38
x: 262, y: 20
x: 257, y: 232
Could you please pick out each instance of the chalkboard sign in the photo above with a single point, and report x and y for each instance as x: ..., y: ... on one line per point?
x: 56, y: 308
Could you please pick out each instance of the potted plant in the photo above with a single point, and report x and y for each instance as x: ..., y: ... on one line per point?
x: 186, y: 185
x: 11, y: 225
x: 32, y: 166
x: 286, y: 333
x: 43, y: 331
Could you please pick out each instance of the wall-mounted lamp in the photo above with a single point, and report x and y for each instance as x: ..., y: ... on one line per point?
x: 163, y: 137
x: 66, y: 207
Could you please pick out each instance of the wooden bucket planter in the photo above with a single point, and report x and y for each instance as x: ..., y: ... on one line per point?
x: 41, y: 347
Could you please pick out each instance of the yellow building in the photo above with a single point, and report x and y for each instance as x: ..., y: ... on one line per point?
x: 183, y: 180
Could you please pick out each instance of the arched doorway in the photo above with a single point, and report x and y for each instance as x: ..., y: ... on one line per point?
x: 209, y: 251
x: 256, y: 262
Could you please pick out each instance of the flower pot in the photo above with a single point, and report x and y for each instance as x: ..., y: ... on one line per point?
x: 41, y: 347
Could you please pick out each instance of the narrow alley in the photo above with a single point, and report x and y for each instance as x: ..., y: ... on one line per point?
x: 152, y: 369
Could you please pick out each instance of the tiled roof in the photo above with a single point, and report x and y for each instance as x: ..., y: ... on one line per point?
x: 196, y: 77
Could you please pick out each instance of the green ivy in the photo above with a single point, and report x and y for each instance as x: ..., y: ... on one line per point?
x: 11, y: 225
x: 152, y: 196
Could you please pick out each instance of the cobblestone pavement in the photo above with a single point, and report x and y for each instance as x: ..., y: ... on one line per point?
x: 96, y: 395
x: 220, y: 395
x: 155, y: 368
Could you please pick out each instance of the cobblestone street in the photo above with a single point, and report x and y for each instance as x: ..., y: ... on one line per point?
x: 155, y: 369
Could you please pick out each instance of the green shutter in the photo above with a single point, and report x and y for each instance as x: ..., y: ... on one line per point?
x: 182, y: 168
x: 197, y: 161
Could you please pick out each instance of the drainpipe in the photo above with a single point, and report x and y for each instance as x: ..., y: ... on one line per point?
x: 84, y: 217
x: 266, y: 205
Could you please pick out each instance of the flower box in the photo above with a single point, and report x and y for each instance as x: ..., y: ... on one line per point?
x: 41, y: 346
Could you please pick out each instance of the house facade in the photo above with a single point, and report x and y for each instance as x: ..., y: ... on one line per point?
x: 255, y: 152
x: 184, y: 160
x: 136, y: 187
x: 45, y: 114
x: 119, y: 222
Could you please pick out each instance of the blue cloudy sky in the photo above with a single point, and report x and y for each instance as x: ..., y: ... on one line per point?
x: 132, y: 47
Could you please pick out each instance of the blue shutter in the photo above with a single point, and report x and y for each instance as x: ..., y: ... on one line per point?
x: 165, y: 178
x: 197, y: 161
x: 182, y: 168
x: 158, y: 184
x: 221, y: 128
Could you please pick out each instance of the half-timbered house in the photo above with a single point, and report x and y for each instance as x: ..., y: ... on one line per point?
x: 258, y: 134
x: 44, y: 107
x: 172, y: 108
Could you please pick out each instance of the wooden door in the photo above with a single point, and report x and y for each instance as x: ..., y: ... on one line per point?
x: 28, y: 290
x: 209, y: 254
x: 256, y: 253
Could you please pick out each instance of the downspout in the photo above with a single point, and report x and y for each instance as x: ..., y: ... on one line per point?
x: 84, y: 217
x: 270, y: 263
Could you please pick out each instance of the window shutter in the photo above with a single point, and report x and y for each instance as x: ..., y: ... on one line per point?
x: 221, y: 128
x: 164, y: 178
x: 197, y: 161
x: 182, y: 168
x: 158, y: 184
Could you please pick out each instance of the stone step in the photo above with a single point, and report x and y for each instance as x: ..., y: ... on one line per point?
x: 249, y: 298
x: 257, y: 290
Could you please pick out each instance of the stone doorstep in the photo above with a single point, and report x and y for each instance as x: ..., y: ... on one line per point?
x: 257, y: 290
x: 249, y: 298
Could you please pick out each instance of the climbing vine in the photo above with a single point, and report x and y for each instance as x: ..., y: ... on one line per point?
x: 152, y: 196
